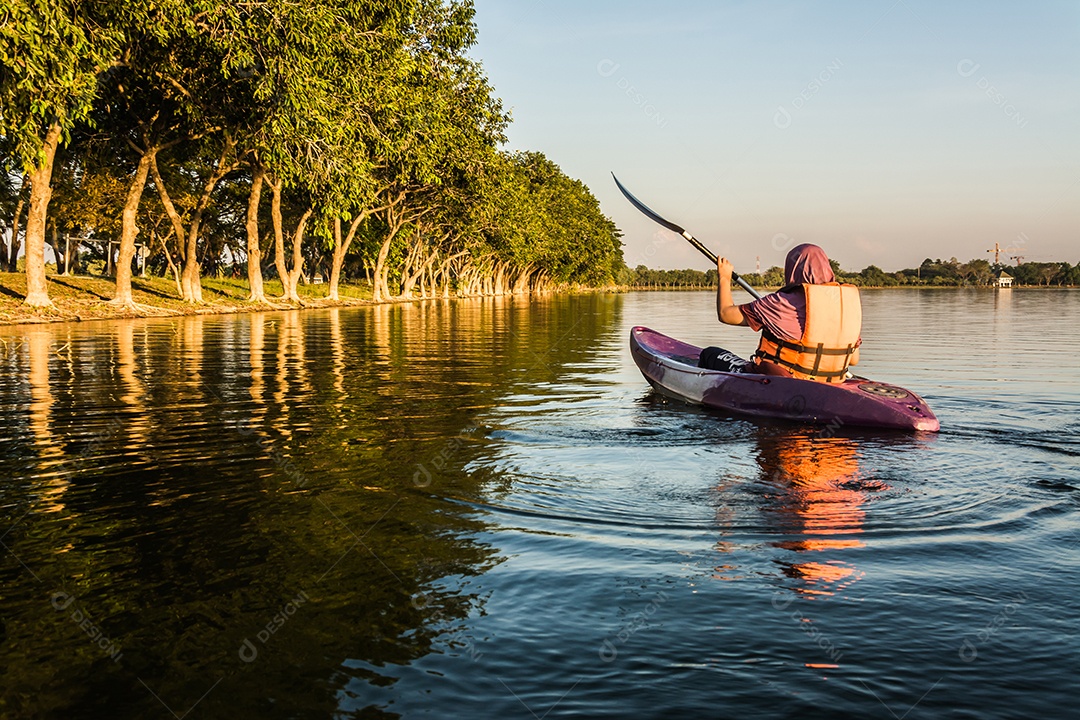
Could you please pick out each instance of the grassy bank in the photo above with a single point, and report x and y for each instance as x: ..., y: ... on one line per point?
x: 84, y: 297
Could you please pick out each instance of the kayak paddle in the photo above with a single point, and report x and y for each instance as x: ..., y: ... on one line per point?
x: 675, y: 228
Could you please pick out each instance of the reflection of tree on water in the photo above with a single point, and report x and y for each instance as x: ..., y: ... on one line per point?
x: 213, y: 470
x: 818, y: 501
x: 54, y: 485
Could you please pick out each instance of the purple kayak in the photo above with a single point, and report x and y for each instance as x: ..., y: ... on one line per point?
x: 670, y: 366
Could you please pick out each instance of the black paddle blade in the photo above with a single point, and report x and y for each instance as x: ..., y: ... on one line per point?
x: 666, y: 223
x: 675, y: 228
x: 645, y: 209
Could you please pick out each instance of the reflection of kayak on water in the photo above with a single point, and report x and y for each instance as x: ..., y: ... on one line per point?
x: 670, y: 366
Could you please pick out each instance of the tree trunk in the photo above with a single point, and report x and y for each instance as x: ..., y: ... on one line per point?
x: 409, y: 282
x: 128, y: 230
x: 462, y: 289
x: 12, y: 260
x: 521, y: 284
x: 37, y: 292
x: 170, y: 209
x: 190, y: 281
x: 298, y: 256
x: 254, y: 253
x: 427, y: 285
x: 190, y: 277
x: 408, y: 276
x: 279, y: 236
x: 381, y: 291
x: 467, y: 287
x: 190, y: 285
x: 541, y: 283
x: 54, y: 242
x: 395, y: 220
x: 442, y: 278
x: 382, y: 283
x: 341, y: 248
x: 378, y: 289
x: 412, y: 263
x: 335, y: 262
x: 173, y: 269
x: 67, y: 253
x: 9, y: 258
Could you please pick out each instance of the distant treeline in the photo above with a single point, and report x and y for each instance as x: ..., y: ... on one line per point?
x: 933, y: 273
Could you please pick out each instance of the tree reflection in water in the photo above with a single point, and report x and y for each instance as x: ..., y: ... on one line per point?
x: 233, y: 501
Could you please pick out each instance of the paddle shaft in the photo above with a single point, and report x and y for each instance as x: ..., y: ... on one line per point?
x: 652, y: 215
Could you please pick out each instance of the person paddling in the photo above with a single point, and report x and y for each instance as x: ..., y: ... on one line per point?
x: 810, y: 328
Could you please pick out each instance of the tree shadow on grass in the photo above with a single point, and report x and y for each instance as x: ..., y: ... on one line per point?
x: 76, y: 288
x: 11, y: 293
x: 211, y: 290
x: 146, y: 288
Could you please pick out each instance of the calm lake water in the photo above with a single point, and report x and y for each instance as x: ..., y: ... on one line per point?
x: 479, y: 509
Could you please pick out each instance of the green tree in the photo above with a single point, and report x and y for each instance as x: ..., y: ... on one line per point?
x: 51, y: 55
x: 774, y: 276
x: 874, y: 276
x: 321, y: 80
x: 979, y: 271
x: 544, y: 223
x: 442, y: 125
x: 1048, y: 273
x: 172, y: 86
x: 1072, y: 275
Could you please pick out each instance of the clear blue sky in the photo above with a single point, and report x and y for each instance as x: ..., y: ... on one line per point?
x: 885, y: 131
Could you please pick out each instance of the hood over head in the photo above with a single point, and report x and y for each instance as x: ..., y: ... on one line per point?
x: 807, y: 264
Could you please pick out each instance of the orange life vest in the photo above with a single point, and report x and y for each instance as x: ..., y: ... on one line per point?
x: 830, y: 341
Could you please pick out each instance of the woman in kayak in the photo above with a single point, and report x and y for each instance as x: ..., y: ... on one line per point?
x: 809, y: 328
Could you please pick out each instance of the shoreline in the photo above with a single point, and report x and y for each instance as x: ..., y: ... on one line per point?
x: 81, y: 298
x: 86, y: 298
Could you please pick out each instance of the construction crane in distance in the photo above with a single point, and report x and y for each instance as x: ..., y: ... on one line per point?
x: 997, y: 252
x: 1017, y: 258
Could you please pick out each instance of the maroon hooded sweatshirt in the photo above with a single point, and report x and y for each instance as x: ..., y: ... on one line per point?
x: 783, y: 313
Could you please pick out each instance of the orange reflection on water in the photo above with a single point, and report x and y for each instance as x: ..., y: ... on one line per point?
x: 821, y: 503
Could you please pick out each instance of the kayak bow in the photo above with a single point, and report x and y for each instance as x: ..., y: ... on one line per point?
x: 670, y: 366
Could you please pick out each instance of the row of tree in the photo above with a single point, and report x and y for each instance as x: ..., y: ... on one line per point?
x: 978, y: 273
x: 373, y: 132
x: 650, y: 279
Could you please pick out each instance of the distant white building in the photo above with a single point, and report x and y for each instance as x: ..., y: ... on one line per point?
x: 1004, y: 280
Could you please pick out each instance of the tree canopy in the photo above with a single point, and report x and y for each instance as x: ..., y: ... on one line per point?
x: 375, y: 134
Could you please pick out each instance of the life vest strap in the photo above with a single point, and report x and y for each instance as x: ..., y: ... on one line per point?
x: 827, y: 374
x: 818, y: 351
